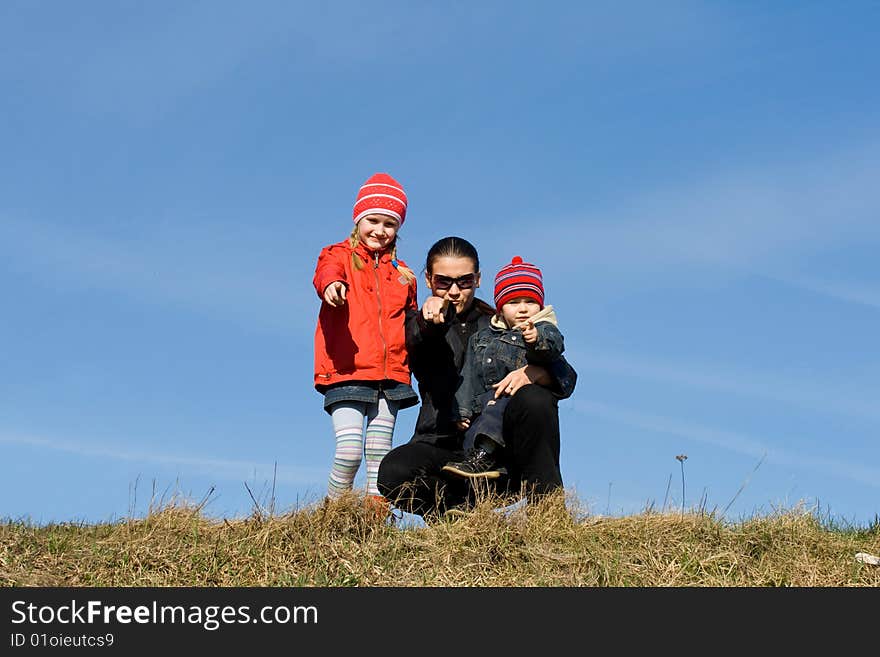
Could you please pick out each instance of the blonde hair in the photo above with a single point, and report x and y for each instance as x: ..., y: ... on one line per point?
x: 356, y: 262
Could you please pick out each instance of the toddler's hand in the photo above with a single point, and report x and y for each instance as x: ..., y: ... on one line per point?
x: 334, y: 294
x: 530, y: 333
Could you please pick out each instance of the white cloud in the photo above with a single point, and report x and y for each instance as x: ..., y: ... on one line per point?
x: 174, y: 268
x: 732, y: 441
x: 226, y: 469
x: 863, y: 294
x: 801, y: 392
x: 752, y: 221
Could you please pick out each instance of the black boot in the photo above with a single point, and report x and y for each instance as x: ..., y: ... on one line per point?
x: 478, y: 463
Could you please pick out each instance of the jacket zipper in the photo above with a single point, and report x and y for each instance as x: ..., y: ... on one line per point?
x: 379, y: 300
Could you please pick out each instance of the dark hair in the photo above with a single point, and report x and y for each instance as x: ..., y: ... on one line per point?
x: 452, y: 247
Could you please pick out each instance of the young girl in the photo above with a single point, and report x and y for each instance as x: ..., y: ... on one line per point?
x: 361, y: 364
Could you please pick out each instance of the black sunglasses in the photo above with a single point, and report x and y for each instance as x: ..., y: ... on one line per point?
x: 440, y: 282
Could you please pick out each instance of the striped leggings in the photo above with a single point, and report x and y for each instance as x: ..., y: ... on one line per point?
x: 348, y: 425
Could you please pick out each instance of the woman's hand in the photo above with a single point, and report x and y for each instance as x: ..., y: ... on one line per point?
x: 463, y: 424
x: 334, y: 294
x: 434, y: 310
x: 521, y: 377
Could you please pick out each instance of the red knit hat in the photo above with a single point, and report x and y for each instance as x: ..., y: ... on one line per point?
x: 381, y: 194
x: 518, y: 279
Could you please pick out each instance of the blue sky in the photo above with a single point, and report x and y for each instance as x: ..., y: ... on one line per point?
x: 697, y: 180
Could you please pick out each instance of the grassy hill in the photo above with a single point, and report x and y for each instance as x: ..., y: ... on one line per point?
x: 341, y: 544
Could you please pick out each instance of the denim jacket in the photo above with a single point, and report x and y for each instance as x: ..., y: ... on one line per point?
x: 437, y: 353
x: 495, y: 351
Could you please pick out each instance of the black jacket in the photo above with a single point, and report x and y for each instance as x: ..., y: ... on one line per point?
x: 436, y: 357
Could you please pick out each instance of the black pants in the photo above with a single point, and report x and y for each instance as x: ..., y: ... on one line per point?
x: 410, y: 475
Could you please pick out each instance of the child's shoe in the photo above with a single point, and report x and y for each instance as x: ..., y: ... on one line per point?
x: 478, y: 463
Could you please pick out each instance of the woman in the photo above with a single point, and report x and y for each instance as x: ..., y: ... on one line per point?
x: 436, y: 339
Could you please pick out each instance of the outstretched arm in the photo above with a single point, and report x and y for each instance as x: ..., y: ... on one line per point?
x: 329, y: 280
x: 430, y: 321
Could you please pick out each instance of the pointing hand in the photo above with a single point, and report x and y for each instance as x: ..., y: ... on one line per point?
x: 334, y: 294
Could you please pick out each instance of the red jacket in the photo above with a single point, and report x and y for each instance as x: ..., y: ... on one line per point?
x: 363, y: 340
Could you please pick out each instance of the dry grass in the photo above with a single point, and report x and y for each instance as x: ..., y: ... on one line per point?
x: 339, y: 544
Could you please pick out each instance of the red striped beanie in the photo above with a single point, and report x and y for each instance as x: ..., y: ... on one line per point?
x: 518, y: 279
x: 381, y: 194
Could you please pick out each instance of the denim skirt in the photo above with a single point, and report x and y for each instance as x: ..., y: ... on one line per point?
x: 369, y: 391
